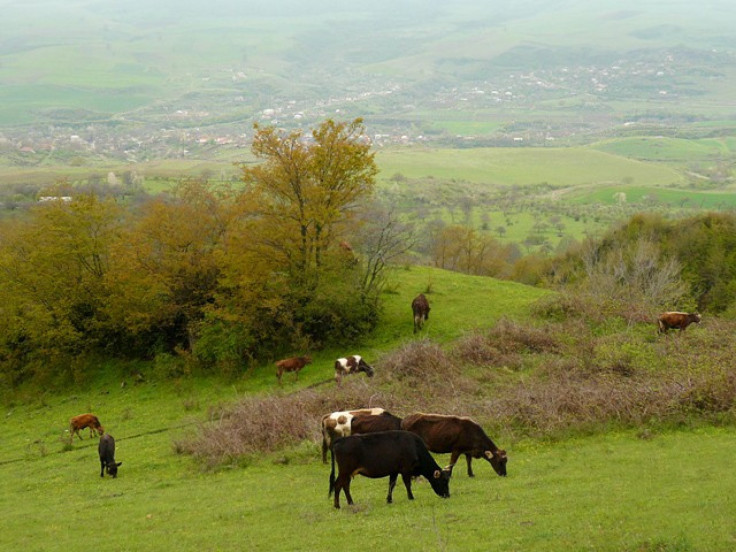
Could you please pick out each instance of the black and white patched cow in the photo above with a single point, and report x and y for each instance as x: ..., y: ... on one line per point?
x: 349, y: 422
x: 351, y: 365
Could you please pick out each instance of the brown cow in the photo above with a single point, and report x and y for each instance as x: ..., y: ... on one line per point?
x: 385, y: 454
x: 85, y: 420
x: 338, y: 424
x: 293, y: 364
x: 676, y: 321
x: 456, y: 435
x: 351, y: 365
x: 420, y: 308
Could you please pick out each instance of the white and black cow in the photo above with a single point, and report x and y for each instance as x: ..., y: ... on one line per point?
x: 351, y: 365
x: 350, y: 422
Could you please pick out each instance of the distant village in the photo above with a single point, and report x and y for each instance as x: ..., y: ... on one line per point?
x: 397, y: 113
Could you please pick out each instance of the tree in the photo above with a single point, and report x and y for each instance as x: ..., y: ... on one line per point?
x: 305, y: 188
x: 54, y: 267
x: 167, y: 266
x: 286, y: 283
x: 381, y: 239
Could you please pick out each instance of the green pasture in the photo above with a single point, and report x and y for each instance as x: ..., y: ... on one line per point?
x: 624, y: 491
x: 669, y: 150
x: 610, y: 493
x: 655, y: 197
x: 558, y: 167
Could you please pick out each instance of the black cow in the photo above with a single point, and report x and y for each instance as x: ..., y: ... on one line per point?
x: 456, y: 435
x: 382, y: 454
x: 106, y: 448
x: 420, y: 308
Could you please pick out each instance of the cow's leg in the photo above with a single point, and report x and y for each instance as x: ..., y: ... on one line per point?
x: 391, y: 484
x: 470, y: 467
x: 453, y: 460
x: 339, y: 484
x: 407, y: 483
x: 348, y: 496
x: 102, y: 468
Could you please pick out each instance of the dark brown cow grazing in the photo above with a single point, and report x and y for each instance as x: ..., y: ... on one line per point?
x: 106, y: 448
x: 420, y: 308
x: 351, y: 365
x: 293, y: 364
x: 350, y: 422
x: 82, y: 421
x: 676, y: 321
x: 456, y: 435
x: 385, y: 454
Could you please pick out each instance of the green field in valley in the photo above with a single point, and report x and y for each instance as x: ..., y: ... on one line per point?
x: 524, y: 166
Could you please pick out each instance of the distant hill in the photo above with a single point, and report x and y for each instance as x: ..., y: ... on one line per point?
x: 145, y: 80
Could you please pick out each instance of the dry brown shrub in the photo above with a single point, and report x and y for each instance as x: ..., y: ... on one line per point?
x: 579, y: 381
x: 420, y: 360
x: 505, y: 345
x: 267, y: 424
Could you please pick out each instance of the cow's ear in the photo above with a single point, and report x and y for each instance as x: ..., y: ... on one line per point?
x: 437, y: 474
x: 119, y: 464
x: 488, y: 454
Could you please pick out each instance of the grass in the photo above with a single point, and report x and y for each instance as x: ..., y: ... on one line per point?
x: 523, y: 166
x: 612, y: 492
x: 668, y: 150
x: 636, y: 490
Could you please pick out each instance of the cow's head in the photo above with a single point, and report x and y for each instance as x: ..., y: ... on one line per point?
x: 696, y: 318
x: 441, y: 482
x: 112, y: 468
x: 498, y: 459
x: 365, y: 367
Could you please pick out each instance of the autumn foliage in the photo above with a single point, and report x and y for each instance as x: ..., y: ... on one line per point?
x: 222, y: 274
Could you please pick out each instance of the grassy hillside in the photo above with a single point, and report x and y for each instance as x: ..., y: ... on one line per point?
x: 265, y: 502
x: 628, y: 490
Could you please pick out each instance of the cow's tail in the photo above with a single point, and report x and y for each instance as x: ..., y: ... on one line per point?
x: 332, y: 472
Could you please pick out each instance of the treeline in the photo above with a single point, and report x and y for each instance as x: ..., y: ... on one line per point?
x: 650, y: 263
x: 290, y: 259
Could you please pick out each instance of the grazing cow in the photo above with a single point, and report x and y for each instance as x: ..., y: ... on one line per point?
x: 293, y: 364
x: 351, y: 365
x: 676, y: 320
x: 350, y: 422
x: 82, y: 421
x: 456, y: 435
x: 420, y: 308
x: 385, y: 454
x: 106, y: 448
